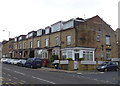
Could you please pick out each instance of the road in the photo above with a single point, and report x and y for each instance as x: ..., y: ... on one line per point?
x: 12, y: 74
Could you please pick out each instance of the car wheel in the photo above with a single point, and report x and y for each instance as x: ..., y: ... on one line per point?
x: 105, y: 70
x: 31, y: 66
x: 117, y: 69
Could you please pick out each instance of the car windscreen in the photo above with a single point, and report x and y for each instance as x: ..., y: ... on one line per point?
x: 105, y: 63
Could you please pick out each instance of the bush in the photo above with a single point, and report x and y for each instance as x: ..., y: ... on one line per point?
x: 80, y: 59
x: 69, y: 59
x: 54, y: 57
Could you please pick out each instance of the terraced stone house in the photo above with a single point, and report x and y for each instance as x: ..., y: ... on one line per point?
x: 92, y: 39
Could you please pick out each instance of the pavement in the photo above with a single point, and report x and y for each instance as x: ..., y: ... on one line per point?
x: 67, y: 71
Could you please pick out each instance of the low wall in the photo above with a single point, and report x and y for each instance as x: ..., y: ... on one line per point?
x: 81, y: 65
x: 70, y: 66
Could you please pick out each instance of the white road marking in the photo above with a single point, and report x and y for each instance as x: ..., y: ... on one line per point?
x: 9, y: 75
x: 79, y: 73
x: 14, y: 77
x: 95, y: 79
x: 19, y: 72
x: 7, y: 69
x: 43, y: 80
x: 101, y: 72
x: 22, y: 81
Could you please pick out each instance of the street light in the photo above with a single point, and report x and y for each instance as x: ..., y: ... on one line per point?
x: 8, y: 32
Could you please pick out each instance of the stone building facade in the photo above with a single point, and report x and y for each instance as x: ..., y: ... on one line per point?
x: 0, y: 49
x: 92, y: 39
x: 118, y: 42
x: 7, y: 48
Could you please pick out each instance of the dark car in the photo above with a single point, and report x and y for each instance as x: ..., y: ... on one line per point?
x: 34, y: 63
x: 108, y: 66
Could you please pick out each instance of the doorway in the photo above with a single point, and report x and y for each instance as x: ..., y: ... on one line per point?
x: 76, y: 56
x: 31, y: 54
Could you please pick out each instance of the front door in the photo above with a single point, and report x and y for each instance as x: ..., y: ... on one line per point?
x: 31, y: 54
x: 76, y: 56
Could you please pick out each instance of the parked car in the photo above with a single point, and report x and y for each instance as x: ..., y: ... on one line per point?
x: 21, y: 63
x: 12, y: 61
x: 108, y: 66
x: 3, y: 60
x: 16, y: 61
x: 6, y: 60
x: 34, y: 62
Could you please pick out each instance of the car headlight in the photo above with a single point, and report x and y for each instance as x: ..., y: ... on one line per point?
x: 103, y: 66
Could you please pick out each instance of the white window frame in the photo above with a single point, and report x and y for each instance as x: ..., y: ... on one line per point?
x: 69, y: 24
x: 20, y: 46
x: 87, y: 55
x: 98, y: 38
x: 25, y: 45
x: 46, y: 42
x: 20, y: 38
x: 30, y: 35
x: 64, y: 54
x: 15, y: 39
x: 47, y: 30
x: 107, y: 40
x: 39, y: 32
x: 57, y: 27
x: 16, y: 46
x: 108, y: 52
x: 38, y: 43
x: 68, y: 40
x: 56, y: 40
x: 69, y: 54
x: 31, y: 44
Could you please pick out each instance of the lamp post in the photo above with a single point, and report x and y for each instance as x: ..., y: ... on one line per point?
x: 9, y: 43
x: 8, y: 34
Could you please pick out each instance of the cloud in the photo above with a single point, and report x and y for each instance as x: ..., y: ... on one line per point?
x: 22, y: 16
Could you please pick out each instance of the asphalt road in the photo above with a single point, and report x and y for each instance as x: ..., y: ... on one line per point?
x: 12, y: 74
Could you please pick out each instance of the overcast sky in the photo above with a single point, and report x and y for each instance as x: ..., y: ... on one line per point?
x: 22, y: 16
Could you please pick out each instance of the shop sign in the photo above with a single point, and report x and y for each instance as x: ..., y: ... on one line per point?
x: 64, y: 62
x: 88, y: 62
